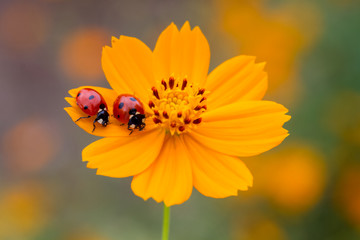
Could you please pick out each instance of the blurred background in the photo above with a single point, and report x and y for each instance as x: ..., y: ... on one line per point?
x: 307, y: 188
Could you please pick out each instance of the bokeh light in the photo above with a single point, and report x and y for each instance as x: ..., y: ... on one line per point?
x: 274, y: 35
x: 24, y: 26
x: 30, y: 145
x: 260, y: 228
x: 80, y: 54
x: 25, y: 209
x: 292, y: 178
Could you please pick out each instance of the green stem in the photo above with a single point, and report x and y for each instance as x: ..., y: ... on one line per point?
x: 166, y: 223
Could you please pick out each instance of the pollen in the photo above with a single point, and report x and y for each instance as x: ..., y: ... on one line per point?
x: 177, y: 104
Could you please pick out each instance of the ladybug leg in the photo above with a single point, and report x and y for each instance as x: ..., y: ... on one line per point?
x: 94, y: 125
x: 131, y: 125
x: 141, y: 127
x: 82, y: 118
x: 131, y: 129
x: 142, y: 122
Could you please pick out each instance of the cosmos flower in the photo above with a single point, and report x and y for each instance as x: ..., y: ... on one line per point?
x: 197, y: 124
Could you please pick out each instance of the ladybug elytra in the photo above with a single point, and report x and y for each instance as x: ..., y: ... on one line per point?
x: 92, y: 103
x: 129, y: 109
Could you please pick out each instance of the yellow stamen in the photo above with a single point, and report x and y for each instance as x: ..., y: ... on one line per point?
x: 177, y: 105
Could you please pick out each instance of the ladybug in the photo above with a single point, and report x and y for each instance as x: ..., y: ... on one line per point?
x: 92, y: 103
x: 129, y: 109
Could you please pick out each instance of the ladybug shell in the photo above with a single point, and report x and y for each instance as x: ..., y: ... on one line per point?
x: 123, y: 104
x: 89, y: 100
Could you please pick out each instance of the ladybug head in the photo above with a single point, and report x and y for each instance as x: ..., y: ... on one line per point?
x: 102, y: 106
x: 102, y: 118
x: 132, y: 111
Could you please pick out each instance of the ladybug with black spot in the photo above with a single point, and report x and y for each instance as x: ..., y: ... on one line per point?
x: 92, y: 103
x: 129, y: 109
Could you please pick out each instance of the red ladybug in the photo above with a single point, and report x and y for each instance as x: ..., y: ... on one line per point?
x: 129, y: 109
x: 92, y: 103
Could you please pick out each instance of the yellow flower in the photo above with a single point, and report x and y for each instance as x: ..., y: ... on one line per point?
x: 197, y: 124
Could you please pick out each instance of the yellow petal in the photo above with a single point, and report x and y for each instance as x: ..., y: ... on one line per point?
x: 237, y: 79
x: 124, y: 156
x: 217, y: 175
x: 183, y: 53
x: 128, y: 66
x: 169, y: 178
x: 244, y: 128
x: 114, y: 129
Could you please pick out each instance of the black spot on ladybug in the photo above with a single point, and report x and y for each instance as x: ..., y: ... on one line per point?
x: 91, y: 97
x: 121, y: 105
x: 133, y: 99
x: 78, y: 94
x: 118, y: 116
x: 102, y: 106
x: 85, y: 107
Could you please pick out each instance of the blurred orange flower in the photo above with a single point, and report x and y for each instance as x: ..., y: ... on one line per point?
x: 260, y: 229
x: 297, y: 171
x: 200, y: 123
x: 24, y: 155
x: 24, y: 25
x: 80, y: 53
x: 24, y: 210
x: 273, y: 34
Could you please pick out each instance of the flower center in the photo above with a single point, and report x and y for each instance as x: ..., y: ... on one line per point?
x: 177, y: 105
